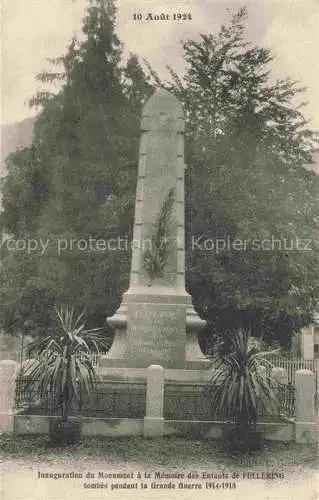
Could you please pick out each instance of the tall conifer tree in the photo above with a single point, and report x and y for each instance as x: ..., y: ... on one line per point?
x: 77, y: 180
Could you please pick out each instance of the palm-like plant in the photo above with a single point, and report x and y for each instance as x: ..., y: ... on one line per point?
x: 241, y: 386
x: 62, y: 362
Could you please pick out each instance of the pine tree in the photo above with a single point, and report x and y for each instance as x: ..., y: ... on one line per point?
x: 77, y: 179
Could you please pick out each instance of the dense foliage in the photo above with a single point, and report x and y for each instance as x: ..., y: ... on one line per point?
x: 252, y: 253
x: 75, y: 185
x: 247, y: 146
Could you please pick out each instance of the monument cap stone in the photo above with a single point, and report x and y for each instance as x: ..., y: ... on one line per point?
x: 163, y: 112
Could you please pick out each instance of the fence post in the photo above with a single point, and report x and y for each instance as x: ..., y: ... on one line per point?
x: 154, y: 420
x: 8, y: 372
x: 305, y: 426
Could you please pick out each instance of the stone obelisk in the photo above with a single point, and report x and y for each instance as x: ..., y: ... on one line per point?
x: 156, y: 322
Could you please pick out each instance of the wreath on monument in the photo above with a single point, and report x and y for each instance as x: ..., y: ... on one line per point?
x: 155, y: 259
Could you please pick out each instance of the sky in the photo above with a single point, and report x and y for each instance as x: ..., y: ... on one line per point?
x: 33, y: 30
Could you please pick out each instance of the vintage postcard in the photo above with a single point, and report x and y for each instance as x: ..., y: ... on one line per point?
x: 159, y: 213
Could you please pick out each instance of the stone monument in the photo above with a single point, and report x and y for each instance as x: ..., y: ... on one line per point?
x: 156, y: 322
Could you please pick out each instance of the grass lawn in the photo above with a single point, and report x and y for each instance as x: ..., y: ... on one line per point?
x: 167, y: 451
x: 22, y: 461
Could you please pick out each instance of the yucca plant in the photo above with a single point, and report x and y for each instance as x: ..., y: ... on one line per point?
x: 242, y: 387
x: 62, y: 363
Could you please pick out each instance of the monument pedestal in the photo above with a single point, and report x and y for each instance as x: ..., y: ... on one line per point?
x: 156, y: 325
